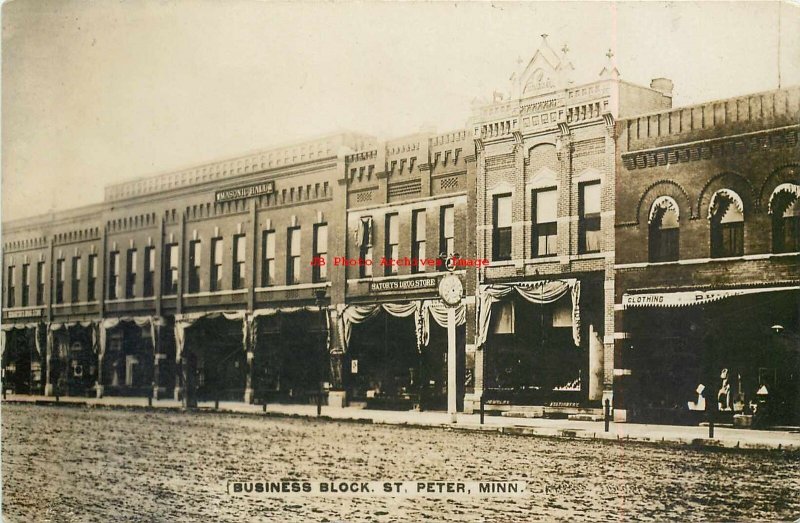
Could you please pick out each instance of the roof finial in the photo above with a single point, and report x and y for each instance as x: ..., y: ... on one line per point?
x: 609, y: 54
x: 544, y: 36
x: 565, y: 49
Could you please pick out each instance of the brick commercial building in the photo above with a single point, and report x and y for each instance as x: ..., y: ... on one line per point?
x: 198, y: 281
x: 633, y: 252
x: 707, y: 271
x: 545, y: 207
x: 408, y: 200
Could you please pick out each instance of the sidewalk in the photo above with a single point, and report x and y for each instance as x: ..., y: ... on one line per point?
x: 654, y: 434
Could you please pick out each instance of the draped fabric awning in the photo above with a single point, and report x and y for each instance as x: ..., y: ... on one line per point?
x: 422, y: 310
x: 689, y: 298
x: 184, y: 321
x: 249, y: 326
x: 98, y: 333
x: 141, y: 321
x: 272, y: 311
x: 541, y: 292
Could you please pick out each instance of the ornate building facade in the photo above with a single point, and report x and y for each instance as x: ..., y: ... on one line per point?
x: 707, y: 271
x: 581, y: 219
x: 545, y: 205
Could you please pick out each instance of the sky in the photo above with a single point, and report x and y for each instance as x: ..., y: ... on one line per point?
x: 94, y: 93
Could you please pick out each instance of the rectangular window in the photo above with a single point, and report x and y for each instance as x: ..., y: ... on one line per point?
x: 11, y: 299
x: 293, y: 239
x: 501, y: 233
x: 60, y: 277
x: 239, y: 264
x: 418, y: 240
x: 392, y: 244
x: 26, y: 284
x: 113, y: 276
x: 447, y: 233
x: 195, y: 261
x: 545, y: 224
x: 365, y: 247
x: 92, y: 282
x: 321, y: 252
x: 268, y: 266
x: 589, y: 219
x: 40, y: 283
x: 76, y: 279
x: 130, y: 276
x: 216, y: 264
x: 732, y: 239
x: 170, y: 284
x: 149, y: 270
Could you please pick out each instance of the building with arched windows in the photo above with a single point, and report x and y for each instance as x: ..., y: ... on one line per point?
x: 707, y: 270
x: 621, y: 250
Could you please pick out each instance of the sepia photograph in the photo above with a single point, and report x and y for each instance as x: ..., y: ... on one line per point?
x: 344, y: 261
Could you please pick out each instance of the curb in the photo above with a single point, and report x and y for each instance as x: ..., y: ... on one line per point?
x: 512, y: 430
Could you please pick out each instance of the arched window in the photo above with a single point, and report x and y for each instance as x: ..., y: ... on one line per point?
x: 726, y: 214
x: 784, y: 206
x: 664, y: 230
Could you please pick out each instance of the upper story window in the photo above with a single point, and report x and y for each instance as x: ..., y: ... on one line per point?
x: 364, y: 236
x: 76, y: 279
x: 61, y: 276
x: 447, y: 233
x: 418, y: 239
x: 293, y: 239
x: 544, y: 232
x: 392, y: 247
x: 11, y: 299
x: 501, y: 227
x: 321, y: 252
x: 784, y: 205
x: 171, y: 263
x: 664, y: 230
x: 91, y: 293
x: 589, y: 217
x: 130, y: 276
x: 40, y: 283
x: 727, y: 224
x: 149, y: 270
x: 216, y: 264
x: 268, y: 262
x: 26, y: 284
x: 113, y: 276
x: 239, y: 261
x: 195, y: 263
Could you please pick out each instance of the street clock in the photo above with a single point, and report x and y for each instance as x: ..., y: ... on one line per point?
x: 451, y: 290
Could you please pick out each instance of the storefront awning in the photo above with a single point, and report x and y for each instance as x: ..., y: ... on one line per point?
x: 689, y: 298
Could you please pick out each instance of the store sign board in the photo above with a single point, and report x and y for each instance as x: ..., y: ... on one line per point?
x: 685, y: 299
x: 25, y: 313
x: 403, y: 285
x: 249, y: 191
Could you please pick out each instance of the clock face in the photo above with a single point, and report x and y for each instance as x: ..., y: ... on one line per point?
x: 450, y: 289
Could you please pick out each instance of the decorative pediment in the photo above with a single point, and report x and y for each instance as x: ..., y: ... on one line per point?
x: 542, y: 72
x: 544, y: 177
x: 588, y: 175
